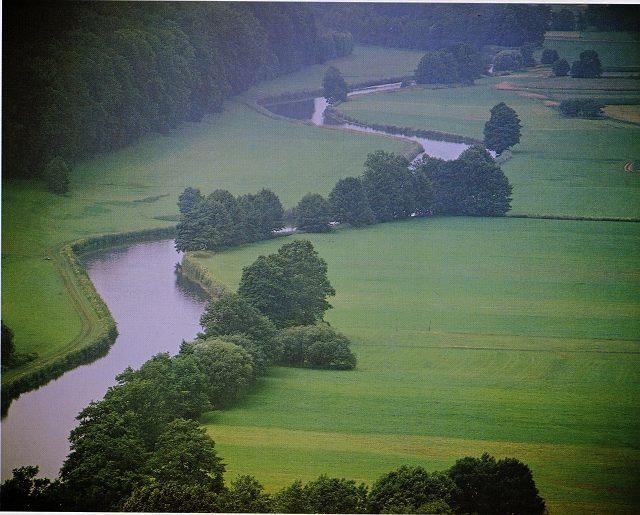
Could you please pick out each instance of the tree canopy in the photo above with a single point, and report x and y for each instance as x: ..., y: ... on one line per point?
x: 315, y: 347
x: 458, y: 63
x: 349, y: 203
x: 588, y: 66
x: 313, y: 213
x: 334, y: 86
x: 502, y: 131
x: 560, y: 68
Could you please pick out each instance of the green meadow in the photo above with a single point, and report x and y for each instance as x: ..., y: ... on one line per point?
x: 138, y: 187
x: 562, y: 166
x: 512, y: 336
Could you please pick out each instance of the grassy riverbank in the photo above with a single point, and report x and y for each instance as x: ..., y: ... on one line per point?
x: 510, y: 336
x: 137, y: 188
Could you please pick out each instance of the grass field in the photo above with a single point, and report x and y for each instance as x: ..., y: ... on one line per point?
x: 562, y: 166
x: 518, y: 337
x: 239, y: 150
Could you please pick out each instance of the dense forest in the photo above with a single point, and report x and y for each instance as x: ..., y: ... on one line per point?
x: 81, y: 78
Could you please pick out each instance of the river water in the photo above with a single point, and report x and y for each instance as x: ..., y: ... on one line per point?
x: 313, y: 110
x: 154, y: 314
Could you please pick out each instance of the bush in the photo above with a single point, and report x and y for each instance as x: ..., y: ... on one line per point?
x: 507, y: 60
x: 588, y: 66
x: 560, y: 68
x: 581, y: 108
x: 315, y: 347
x: 549, y: 56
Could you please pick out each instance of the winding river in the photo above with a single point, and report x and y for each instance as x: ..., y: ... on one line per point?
x: 154, y: 314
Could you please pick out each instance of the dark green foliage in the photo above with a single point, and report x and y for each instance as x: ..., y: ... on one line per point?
x: 220, y: 221
x: 333, y: 495
x: 563, y: 19
x: 349, y: 203
x: 334, y: 44
x: 388, y: 185
x: 228, y: 368
x: 560, y: 68
x: 25, y: 492
x: 246, y: 495
x: 487, y: 486
x: 459, y: 63
x: 172, y: 496
x: 526, y: 54
x: 613, y: 17
x: 315, y: 347
x: 232, y: 314
x: 411, y: 490
x: 57, y: 176
x: 185, y: 454
x: 588, y: 66
x: 549, y: 56
x: 261, y: 215
x: 289, y: 287
x: 581, y: 107
x: 471, y: 185
x: 290, y: 499
x: 313, y: 213
x: 507, y: 60
x: 91, y: 77
x: 502, y: 131
x: 334, y: 85
x: 8, y: 347
x: 261, y: 360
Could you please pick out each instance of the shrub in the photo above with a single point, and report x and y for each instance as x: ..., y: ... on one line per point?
x: 560, y: 68
x: 549, y: 56
x: 581, y: 108
x: 315, y: 347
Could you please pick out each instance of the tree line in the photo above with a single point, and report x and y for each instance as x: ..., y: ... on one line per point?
x: 84, y: 78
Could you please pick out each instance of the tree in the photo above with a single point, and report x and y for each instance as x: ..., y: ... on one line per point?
x: 437, y: 67
x: 526, y: 54
x: 313, y: 213
x: 188, y: 200
x: 468, y: 61
x: 315, y: 347
x: 262, y: 214
x: 333, y: 495
x: 290, y: 499
x: 57, y: 175
x: 24, y: 491
x: 173, y: 496
x: 246, y: 495
x: 388, y: 185
x: 502, y: 131
x: 185, y: 454
x: 560, y: 68
x: 289, y: 287
x: 349, y: 203
x: 232, y: 314
x: 581, y: 107
x: 8, y: 347
x: 507, y: 60
x: 549, y: 56
x: 588, y: 66
x: 334, y: 85
x: 228, y: 367
x: 563, y: 19
x: 411, y: 490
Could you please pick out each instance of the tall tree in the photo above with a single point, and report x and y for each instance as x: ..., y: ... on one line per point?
x: 349, y: 203
x: 289, y: 287
x: 502, y: 131
x: 588, y: 66
x: 549, y: 56
x: 313, y: 213
x: 334, y: 85
x: 262, y: 214
x: 560, y: 68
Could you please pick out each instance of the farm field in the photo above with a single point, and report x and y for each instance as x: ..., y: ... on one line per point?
x: 137, y: 188
x: 516, y: 337
x: 571, y: 167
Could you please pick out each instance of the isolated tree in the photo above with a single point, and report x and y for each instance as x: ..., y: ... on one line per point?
x: 502, y: 131
x: 560, y: 68
x: 313, y: 213
x: 8, y: 347
x: 388, y: 185
x: 57, y: 175
x: 334, y: 85
x: 290, y: 287
x: 549, y: 56
x: 411, y: 490
x: 588, y: 66
x: 232, y: 314
x: 349, y: 203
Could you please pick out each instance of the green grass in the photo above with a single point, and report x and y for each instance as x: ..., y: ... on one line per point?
x: 614, y: 49
x: 562, y: 166
x: 135, y: 188
x: 517, y: 337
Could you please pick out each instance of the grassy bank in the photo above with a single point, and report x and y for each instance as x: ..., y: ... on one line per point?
x: 137, y: 189
x: 513, y: 336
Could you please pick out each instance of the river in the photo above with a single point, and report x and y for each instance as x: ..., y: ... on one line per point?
x: 154, y: 314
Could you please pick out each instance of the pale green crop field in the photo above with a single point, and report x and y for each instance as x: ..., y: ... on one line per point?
x: 239, y: 150
x: 516, y: 337
x: 562, y: 166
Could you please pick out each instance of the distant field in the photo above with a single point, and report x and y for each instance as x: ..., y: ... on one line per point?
x: 239, y: 150
x: 625, y: 113
x: 517, y: 337
x: 562, y: 166
x: 614, y: 49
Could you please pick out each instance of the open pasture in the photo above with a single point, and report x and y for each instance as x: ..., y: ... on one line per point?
x: 562, y: 166
x: 517, y: 337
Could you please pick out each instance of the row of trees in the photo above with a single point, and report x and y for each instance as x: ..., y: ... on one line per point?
x: 90, y: 77
x: 190, y: 479
x: 460, y: 63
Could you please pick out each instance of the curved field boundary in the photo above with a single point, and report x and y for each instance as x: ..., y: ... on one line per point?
x: 99, y: 329
x: 195, y: 273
